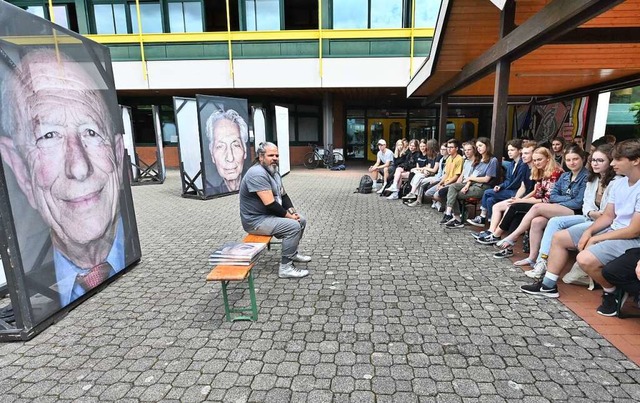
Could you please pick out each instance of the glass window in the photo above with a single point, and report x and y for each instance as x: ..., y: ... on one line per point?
x: 308, y: 129
x: 185, y: 16
x: 36, y: 10
x: 150, y: 15
x: 350, y: 14
x: 61, y: 16
x: 427, y: 13
x: 262, y: 15
x: 110, y: 18
x: 386, y: 13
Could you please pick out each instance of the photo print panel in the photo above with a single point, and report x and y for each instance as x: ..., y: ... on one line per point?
x: 129, y: 141
x: 282, y: 129
x: 186, y: 113
x: 224, y: 133
x: 71, y: 222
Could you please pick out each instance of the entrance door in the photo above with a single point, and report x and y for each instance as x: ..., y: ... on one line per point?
x: 391, y: 130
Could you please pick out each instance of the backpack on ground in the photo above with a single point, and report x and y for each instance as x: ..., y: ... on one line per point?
x: 366, y: 184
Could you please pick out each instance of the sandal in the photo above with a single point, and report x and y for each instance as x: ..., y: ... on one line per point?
x: 504, y: 243
x: 525, y: 262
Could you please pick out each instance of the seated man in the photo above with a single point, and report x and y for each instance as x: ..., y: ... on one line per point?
x: 452, y: 171
x: 518, y: 171
x: 266, y: 209
x: 384, y: 161
x: 600, y: 242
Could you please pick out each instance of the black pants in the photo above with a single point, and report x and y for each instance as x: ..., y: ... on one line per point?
x: 621, y: 271
x: 514, y: 215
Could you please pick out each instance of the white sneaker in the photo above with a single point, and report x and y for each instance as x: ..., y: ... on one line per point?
x: 288, y: 270
x: 392, y: 188
x: 538, y: 271
x: 300, y: 258
x: 393, y: 196
x: 380, y: 190
x: 438, y: 206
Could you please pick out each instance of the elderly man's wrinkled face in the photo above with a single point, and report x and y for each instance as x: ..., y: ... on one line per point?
x: 72, y: 174
x: 227, y: 150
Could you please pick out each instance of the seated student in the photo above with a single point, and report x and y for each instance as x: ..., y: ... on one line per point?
x: 384, y: 161
x: 566, y: 198
x: 453, y: 169
x: 471, y: 157
x: 517, y: 172
x: 484, y: 170
x: 609, y: 236
x: 428, y: 182
x: 624, y: 272
x: 399, y: 157
x: 428, y: 164
x: 596, y: 196
x: 557, y: 149
x: 404, y: 167
x: 545, y: 173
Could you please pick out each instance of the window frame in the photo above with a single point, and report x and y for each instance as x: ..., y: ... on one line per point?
x: 407, y: 6
x: 79, y: 6
x: 242, y: 9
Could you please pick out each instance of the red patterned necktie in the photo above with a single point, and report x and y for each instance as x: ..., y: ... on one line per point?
x: 94, y: 277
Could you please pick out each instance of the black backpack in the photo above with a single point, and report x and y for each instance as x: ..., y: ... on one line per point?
x: 366, y: 184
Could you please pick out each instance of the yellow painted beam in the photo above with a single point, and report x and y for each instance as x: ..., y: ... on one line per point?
x: 266, y: 35
x: 141, y: 39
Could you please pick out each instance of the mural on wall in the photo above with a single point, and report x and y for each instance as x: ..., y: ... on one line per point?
x: 544, y: 122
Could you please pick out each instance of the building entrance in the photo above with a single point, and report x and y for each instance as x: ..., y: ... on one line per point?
x: 391, y: 130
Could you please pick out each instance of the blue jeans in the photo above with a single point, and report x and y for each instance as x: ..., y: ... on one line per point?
x: 287, y: 229
x: 554, y: 225
x: 490, y: 197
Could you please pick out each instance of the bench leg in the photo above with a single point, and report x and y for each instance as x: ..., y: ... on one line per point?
x: 252, y: 295
x: 227, y: 311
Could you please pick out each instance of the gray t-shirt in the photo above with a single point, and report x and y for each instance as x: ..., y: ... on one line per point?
x: 252, y: 210
x: 387, y: 156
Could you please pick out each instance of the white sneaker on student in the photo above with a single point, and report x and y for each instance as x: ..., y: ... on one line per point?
x: 300, y: 258
x: 380, y: 190
x: 392, y: 188
x: 288, y: 270
x: 393, y: 196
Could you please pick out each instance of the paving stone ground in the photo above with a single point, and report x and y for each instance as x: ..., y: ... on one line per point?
x: 396, y: 309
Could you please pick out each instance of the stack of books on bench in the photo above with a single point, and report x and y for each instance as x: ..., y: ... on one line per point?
x: 237, y: 253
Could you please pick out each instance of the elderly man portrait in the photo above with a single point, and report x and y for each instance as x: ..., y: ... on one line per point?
x: 227, y: 134
x: 60, y: 142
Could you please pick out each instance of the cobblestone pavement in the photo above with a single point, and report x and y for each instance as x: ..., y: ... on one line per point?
x: 396, y: 309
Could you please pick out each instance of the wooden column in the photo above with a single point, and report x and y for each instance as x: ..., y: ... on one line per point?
x: 444, y: 114
x: 501, y: 88
x: 592, y: 107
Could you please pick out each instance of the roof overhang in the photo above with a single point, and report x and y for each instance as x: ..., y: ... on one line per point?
x: 558, y: 49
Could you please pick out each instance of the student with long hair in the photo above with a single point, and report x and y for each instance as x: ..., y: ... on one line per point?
x: 404, y: 167
x: 428, y: 161
x: 545, y: 173
x: 596, y: 197
x: 428, y: 182
x: 471, y: 158
x: 566, y: 198
x: 484, y: 170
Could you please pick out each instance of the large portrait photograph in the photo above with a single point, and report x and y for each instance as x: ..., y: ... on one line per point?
x: 224, y: 132
x: 65, y: 169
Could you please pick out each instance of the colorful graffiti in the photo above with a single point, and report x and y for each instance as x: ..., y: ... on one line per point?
x: 544, y: 122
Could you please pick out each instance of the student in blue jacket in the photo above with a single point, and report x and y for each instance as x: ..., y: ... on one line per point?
x: 517, y: 174
x: 565, y: 198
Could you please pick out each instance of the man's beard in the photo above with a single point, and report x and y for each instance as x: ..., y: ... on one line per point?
x: 272, y: 168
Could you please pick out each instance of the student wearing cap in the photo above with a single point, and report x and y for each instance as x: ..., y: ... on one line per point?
x: 384, y: 161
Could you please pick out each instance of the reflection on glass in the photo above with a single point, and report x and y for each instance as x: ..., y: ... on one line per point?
x: 150, y: 17
x: 427, y: 13
x: 386, y: 13
x: 308, y: 129
x: 262, y: 15
x: 61, y: 17
x: 36, y: 10
x: 110, y: 18
x: 185, y: 17
x: 349, y: 14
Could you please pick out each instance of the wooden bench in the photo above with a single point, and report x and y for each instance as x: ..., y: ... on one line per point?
x: 226, y: 274
x: 254, y: 238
